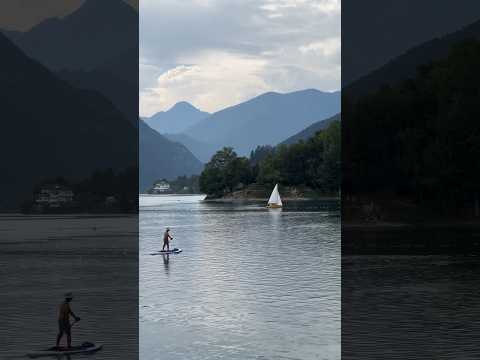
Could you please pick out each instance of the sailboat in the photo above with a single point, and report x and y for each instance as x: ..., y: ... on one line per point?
x: 275, y: 201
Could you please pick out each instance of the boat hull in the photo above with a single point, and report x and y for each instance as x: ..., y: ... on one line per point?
x: 274, y: 206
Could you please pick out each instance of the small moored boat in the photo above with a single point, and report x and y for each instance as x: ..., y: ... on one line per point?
x: 275, y: 202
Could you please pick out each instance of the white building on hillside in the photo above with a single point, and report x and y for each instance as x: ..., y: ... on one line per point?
x: 161, y: 187
x: 54, y: 195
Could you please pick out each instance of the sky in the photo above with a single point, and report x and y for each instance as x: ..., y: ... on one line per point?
x: 217, y: 53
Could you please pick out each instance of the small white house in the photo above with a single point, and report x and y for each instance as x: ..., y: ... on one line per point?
x: 161, y: 187
x: 54, y: 195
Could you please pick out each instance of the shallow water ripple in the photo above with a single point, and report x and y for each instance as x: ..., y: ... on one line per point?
x: 250, y: 284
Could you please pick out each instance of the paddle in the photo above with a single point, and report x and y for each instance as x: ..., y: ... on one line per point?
x: 71, y: 325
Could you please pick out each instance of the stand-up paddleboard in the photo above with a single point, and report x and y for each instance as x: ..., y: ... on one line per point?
x: 85, y: 348
x: 167, y: 252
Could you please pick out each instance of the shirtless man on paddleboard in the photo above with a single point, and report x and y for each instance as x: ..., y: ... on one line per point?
x: 64, y: 326
x: 166, y: 239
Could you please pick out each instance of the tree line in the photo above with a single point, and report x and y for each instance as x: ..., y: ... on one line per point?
x: 91, y: 194
x: 314, y: 163
x: 419, y: 139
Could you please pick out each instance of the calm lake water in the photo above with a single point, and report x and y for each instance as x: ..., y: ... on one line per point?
x: 251, y: 283
x: 95, y: 257
x: 410, y: 307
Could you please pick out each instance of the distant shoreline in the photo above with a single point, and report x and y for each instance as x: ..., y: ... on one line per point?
x: 229, y: 198
x: 265, y: 199
x: 256, y: 192
x: 169, y: 194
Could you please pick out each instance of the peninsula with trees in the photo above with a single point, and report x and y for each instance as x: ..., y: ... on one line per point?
x: 308, y: 169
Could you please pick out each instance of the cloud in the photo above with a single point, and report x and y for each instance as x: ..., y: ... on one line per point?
x: 216, y: 80
x: 215, y: 53
x: 326, y: 48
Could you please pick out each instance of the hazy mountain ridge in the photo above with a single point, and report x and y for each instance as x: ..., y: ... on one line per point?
x: 162, y: 158
x: 114, y: 79
x: 103, y: 57
x: 201, y: 150
x: 405, y: 65
x: 50, y: 42
x: 61, y: 119
x: 311, y: 130
x: 177, y: 119
x: 266, y: 119
x: 114, y: 73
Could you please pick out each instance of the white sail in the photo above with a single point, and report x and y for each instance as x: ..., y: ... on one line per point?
x: 275, y: 197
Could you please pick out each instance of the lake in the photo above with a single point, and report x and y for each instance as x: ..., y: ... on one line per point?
x: 44, y: 256
x: 251, y: 283
x: 410, y: 307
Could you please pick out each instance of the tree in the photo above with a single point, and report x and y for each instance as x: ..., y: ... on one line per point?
x: 314, y: 163
x: 417, y: 139
x: 224, y: 172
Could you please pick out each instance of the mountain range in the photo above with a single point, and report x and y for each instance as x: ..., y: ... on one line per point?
x: 117, y: 79
x: 95, y: 47
x: 202, y: 151
x: 162, y: 158
x: 266, y: 119
x: 71, y: 131
x: 177, y: 119
x: 76, y: 113
x: 90, y: 88
x: 405, y: 65
x: 311, y: 130
x: 89, y: 37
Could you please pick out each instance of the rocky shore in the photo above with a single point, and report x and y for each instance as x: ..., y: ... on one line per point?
x: 257, y: 192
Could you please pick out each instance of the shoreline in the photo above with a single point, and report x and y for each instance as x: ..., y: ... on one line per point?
x: 265, y: 199
x: 260, y: 192
x: 400, y: 238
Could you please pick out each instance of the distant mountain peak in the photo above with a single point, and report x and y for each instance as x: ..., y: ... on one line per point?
x: 311, y: 91
x: 270, y: 93
x: 102, y: 29
x: 111, y: 8
x: 179, y: 117
x: 266, y: 119
x: 183, y: 105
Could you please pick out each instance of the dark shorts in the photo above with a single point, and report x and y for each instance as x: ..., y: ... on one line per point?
x: 64, y: 327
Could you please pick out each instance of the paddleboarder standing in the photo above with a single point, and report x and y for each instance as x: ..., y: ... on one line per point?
x: 64, y: 326
x: 166, y: 239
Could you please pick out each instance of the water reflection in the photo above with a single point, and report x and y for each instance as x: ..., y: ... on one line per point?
x: 237, y: 291
x: 166, y: 263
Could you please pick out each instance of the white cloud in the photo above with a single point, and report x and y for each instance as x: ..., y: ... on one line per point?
x: 326, y: 48
x: 217, y: 80
x: 215, y: 53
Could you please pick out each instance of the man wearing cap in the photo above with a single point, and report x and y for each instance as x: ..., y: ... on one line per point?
x: 166, y: 239
x: 64, y: 325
